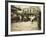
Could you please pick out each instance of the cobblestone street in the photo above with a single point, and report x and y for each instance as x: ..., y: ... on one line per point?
x: 24, y: 26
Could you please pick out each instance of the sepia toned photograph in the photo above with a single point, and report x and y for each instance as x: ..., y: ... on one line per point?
x: 25, y: 18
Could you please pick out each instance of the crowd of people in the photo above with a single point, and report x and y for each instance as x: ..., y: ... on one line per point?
x: 19, y: 15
